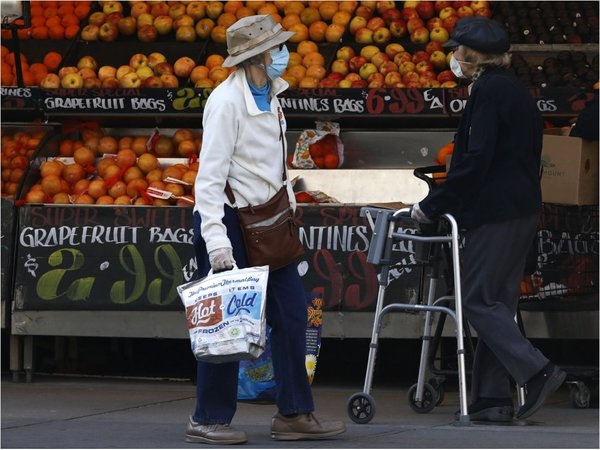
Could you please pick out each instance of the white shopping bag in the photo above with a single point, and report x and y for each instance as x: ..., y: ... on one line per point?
x: 225, y: 314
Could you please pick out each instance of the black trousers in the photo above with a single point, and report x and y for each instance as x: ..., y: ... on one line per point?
x: 493, y: 263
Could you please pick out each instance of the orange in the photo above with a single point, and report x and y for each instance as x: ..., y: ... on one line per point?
x: 81, y: 11
x: 36, y: 11
x: 331, y: 161
x: 317, y: 31
x: 125, y: 158
x: 123, y: 200
x: 97, y: 188
x: 71, y: 31
x: 135, y: 186
x: 103, y: 166
x: 244, y: 11
x: 84, y: 199
x: 65, y: 9
x: 51, y: 184
x: 38, y: 21
x: 39, y: 32
x: 231, y: 6
x: 105, y: 200
x: 268, y: 8
x: 50, y: 11
x: 313, y: 58
x: 118, y: 189
x: 57, y: 32
x: 53, y: 21
x: 226, y: 20
x: 147, y: 163
x: 69, y: 19
x: 443, y: 153
x: 132, y: 173
x: 81, y: 186
x: 214, y: 60
x: 73, y: 173
x: 306, y: 47
x: 289, y: 20
x: 65, y: 148
x: 52, y: 60
x: 83, y: 155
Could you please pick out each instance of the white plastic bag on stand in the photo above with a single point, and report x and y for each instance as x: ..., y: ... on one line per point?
x: 225, y: 313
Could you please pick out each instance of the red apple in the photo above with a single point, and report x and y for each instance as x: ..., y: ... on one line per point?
x: 340, y: 66
x: 97, y: 18
x: 375, y: 22
x: 183, y: 66
x: 357, y: 23
x: 138, y: 60
x: 50, y: 81
x: 152, y: 82
x: 130, y: 80
x: 379, y: 58
x: 464, y: 11
x: 439, y: 5
x: 406, y: 67
x: 382, y: 35
x: 163, y: 68
x: 393, y: 49
x: 485, y: 12
x: 155, y: 58
x: 409, y: 13
x: 105, y: 72
x: 364, y: 11
x: 139, y: 8
x: 450, y: 22
x: 163, y: 24
x: 90, y: 32
x: 447, y: 12
x: 390, y: 15
x: 159, y: 9
x: 413, y: 24
x: 147, y: 33
x: 127, y: 26
x: 438, y: 59
x: 352, y: 76
x: 387, y: 67
x: 439, y: 34
x: 423, y: 67
x: 425, y: 9
x: 110, y: 83
x: 356, y: 62
x: 420, y: 55
x: 377, y: 76
x: 114, y: 18
x: 169, y: 80
x: 392, y: 78
x: 214, y: 9
x: 401, y: 57
x: 398, y: 28
x: 433, y: 46
x: 87, y: 62
x: 359, y: 84
x: 364, y: 36
x: 345, y: 52
x: 92, y: 83
x: 110, y: 7
x: 366, y: 70
x: 410, y: 77
x: 460, y: 3
x: 435, y: 22
x: 108, y: 32
x: 446, y: 75
x: 71, y: 81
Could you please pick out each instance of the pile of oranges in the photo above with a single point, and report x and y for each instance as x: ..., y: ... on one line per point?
x: 33, y: 74
x: 324, y: 152
x: 124, y: 173
x: 306, y: 67
x: 17, y: 149
x: 54, y: 20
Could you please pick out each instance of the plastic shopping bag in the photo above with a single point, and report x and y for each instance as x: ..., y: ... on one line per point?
x: 225, y: 313
x: 256, y: 381
x: 320, y: 148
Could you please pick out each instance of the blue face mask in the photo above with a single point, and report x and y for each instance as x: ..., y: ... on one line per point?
x: 279, y: 61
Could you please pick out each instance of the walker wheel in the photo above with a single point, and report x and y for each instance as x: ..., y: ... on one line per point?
x: 580, y: 395
x: 427, y: 403
x: 361, y: 407
x: 438, y: 387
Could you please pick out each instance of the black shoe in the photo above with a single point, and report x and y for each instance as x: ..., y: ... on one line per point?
x: 548, y: 380
x: 487, y: 409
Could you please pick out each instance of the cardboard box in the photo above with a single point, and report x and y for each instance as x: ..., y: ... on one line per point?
x: 570, y: 174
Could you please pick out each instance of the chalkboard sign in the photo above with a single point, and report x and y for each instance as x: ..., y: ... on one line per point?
x: 133, y: 258
x: 7, y: 208
x: 20, y: 98
x: 295, y: 102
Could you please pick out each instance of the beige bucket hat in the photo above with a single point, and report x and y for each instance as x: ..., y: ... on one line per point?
x: 253, y: 35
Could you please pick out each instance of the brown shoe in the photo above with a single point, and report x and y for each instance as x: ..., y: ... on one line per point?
x: 303, y: 426
x: 213, y: 434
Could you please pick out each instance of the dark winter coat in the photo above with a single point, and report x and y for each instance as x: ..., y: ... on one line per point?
x: 494, y: 173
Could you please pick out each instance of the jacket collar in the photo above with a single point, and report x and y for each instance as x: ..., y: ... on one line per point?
x: 279, y: 85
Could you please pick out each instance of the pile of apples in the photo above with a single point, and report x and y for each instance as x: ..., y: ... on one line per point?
x: 17, y: 149
x: 191, y: 20
x: 394, y: 67
x: 380, y: 22
x: 103, y: 169
x: 152, y: 71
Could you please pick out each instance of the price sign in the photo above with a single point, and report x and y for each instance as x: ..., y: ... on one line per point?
x: 81, y: 258
x: 19, y: 98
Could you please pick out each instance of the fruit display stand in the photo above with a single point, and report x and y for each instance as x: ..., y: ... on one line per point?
x: 119, y: 280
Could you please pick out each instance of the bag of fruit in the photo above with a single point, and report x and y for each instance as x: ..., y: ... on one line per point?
x: 320, y: 148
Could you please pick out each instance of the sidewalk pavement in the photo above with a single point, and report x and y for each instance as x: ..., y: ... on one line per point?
x: 66, y: 412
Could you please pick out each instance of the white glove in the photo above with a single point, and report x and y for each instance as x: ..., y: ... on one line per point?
x: 418, y: 215
x: 221, y: 259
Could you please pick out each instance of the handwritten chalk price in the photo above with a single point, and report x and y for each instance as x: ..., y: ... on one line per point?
x: 395, y: 101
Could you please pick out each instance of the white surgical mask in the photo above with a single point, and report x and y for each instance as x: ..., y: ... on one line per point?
x: 455, y: 68
x: 279, y: 62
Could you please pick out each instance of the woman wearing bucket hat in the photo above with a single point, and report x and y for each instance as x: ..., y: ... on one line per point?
x: 493, y: 189
x: 243, y: 131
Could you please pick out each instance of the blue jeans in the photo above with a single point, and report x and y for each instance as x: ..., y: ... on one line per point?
x: 216, y: 384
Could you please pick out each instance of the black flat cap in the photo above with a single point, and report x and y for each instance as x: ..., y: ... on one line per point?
x: 480, y: 34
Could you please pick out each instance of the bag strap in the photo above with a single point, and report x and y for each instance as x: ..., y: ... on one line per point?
x: 229, y: 191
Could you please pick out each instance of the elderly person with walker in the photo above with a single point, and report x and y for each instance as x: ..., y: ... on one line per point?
x: 493, y: 189
x: 243, y: 141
